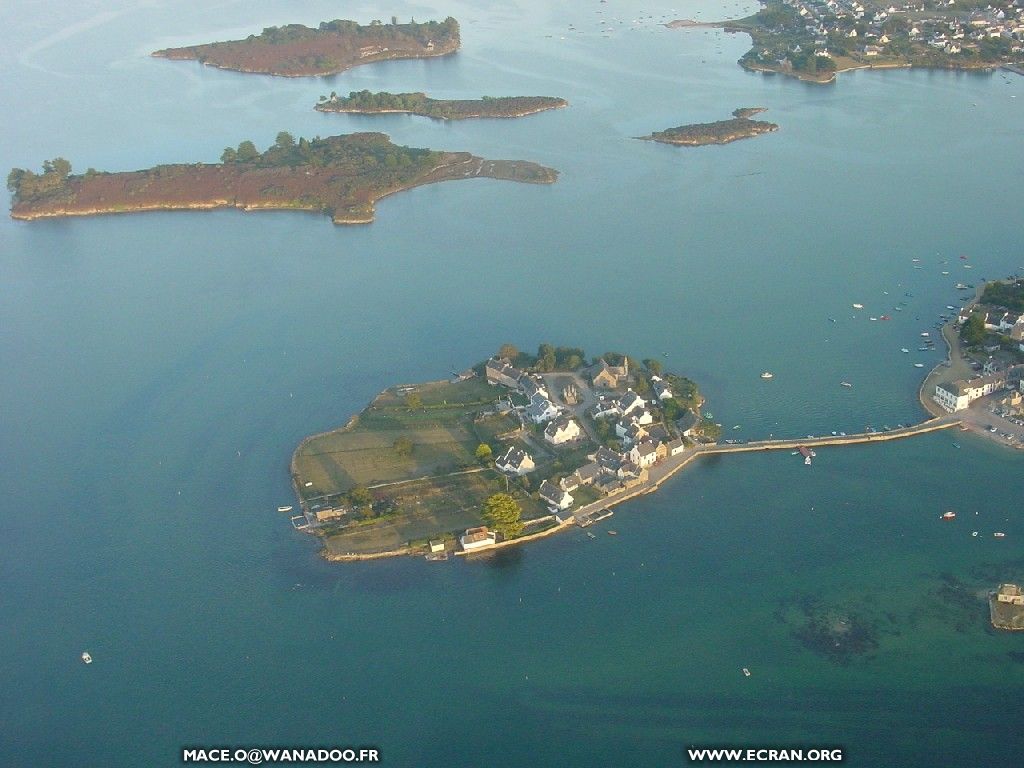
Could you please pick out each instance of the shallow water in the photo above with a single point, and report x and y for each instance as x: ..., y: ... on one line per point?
x: 160, y: 368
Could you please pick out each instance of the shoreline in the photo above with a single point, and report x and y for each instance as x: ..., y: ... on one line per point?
x: 362, y: 111
x: 667, y: 472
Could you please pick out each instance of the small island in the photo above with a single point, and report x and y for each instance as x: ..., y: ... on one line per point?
x: 814, y: 39
x: 341, y: 176
x: 518, y: 447
x: 721, y: 132
x: 295, y: 50
x: 1006, y: 607
x: 365, y: 102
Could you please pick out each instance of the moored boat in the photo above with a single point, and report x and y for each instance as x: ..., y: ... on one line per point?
x: 948, y: 515
x: 767, y: 375
x: 285, y: 508
x: 86, y: 657
x: 999, y: 534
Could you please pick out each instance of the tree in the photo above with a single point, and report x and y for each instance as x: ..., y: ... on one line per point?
x: 247, y: 152
x: 973, y: 331
x: 546, y: 358
x: 61, y: 167
x: 413, y: 401
x: 509, y: 351
x: 654, y: 366
x: 284, y: 140
x: 502, y: 513
x: 360, y: 496
x: 483, y: 452
x: 14, y: 178
x: 229, y: 155
x: 403, y: 446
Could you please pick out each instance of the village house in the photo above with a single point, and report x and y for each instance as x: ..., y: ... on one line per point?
x: 515, y: 461
x: 585, y: 475
x: 630, y: 431
x: 960, y: 394
x: 645, y: 454
x: 675, y: 447
x: 532, y: 384
x: 329, y: 513
x: 478, y: 538
x: 1010, y: 594
x: 661, y: 390
x: 609, y: 376
x: 630, y: 402
x: 555, y: 496
x: 499, y: 370
x: 562, y: 431
x: 541, y: 409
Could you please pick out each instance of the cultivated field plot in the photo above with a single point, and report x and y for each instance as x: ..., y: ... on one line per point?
x: 426, y: 508
x: 437, y: 419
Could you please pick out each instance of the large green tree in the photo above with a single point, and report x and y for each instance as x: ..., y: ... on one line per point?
x: 503, y: 513
x: 973, y: 331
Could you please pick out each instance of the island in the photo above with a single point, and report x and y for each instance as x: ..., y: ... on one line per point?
x: 341, y: 176
x: 721, y: 132
x: 980, y: 381
x: 814, y: 39
x: 365, y: 102
x: 1006, y: 607
x: 516, y: 448
x: 295, y: 50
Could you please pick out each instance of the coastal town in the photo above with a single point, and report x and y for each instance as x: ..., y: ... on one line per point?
x: 813, y: 39
x: 982, y: 382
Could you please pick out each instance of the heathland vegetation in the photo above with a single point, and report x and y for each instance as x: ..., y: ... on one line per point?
x: 720, y: 132
x: 365, y: 102
x: 341, y: 176
x: 295, y: 50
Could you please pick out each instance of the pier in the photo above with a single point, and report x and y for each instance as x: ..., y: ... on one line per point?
x: 667, y: 468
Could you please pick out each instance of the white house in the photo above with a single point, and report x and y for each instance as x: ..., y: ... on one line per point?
x: 515, y: 461
x: 960, y: 394
x: 477, y: 538
x: 555, y: 496
x: 646, y: 453
x: 562, y: 431
x: 541, y: 409
x: 661, y: 390
x: 630, y: 402
x: 676, y: 447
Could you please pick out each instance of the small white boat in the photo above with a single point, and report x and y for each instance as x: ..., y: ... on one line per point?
x: 284, y: 509
x: 919, y: 365
x: 746, y: 672
x: 904, y: 350
x: 844, y: 384
x: 767, y: 375
x: 309, y: 485
x: 86, y: 657
x: 974, y: 533
x: 858, y: 306
x: 925, y: 334
x: 999, y: 534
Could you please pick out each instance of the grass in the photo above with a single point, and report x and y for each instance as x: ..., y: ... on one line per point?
x: 427, y: 509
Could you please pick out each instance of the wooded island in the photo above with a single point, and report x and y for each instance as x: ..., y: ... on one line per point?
x: 720, y: 132
x: 295, y: 50
x: 342, y: 176
x: 365, y: 102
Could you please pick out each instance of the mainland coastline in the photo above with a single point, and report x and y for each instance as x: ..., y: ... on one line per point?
x: 295, y: 50
x: 340, y: 176
x: 367, y: 103
x: 814, y: 41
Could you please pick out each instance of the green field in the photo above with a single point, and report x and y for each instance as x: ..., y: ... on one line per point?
x: 426, y: 509
x: 441, y: 431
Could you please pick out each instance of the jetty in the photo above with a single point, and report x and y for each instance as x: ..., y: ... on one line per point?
x: 667, y: 468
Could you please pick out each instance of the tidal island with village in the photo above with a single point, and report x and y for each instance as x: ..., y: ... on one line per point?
x: 523, y: 446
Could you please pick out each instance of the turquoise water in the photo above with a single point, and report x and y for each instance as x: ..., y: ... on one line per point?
x: 160, y: 368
